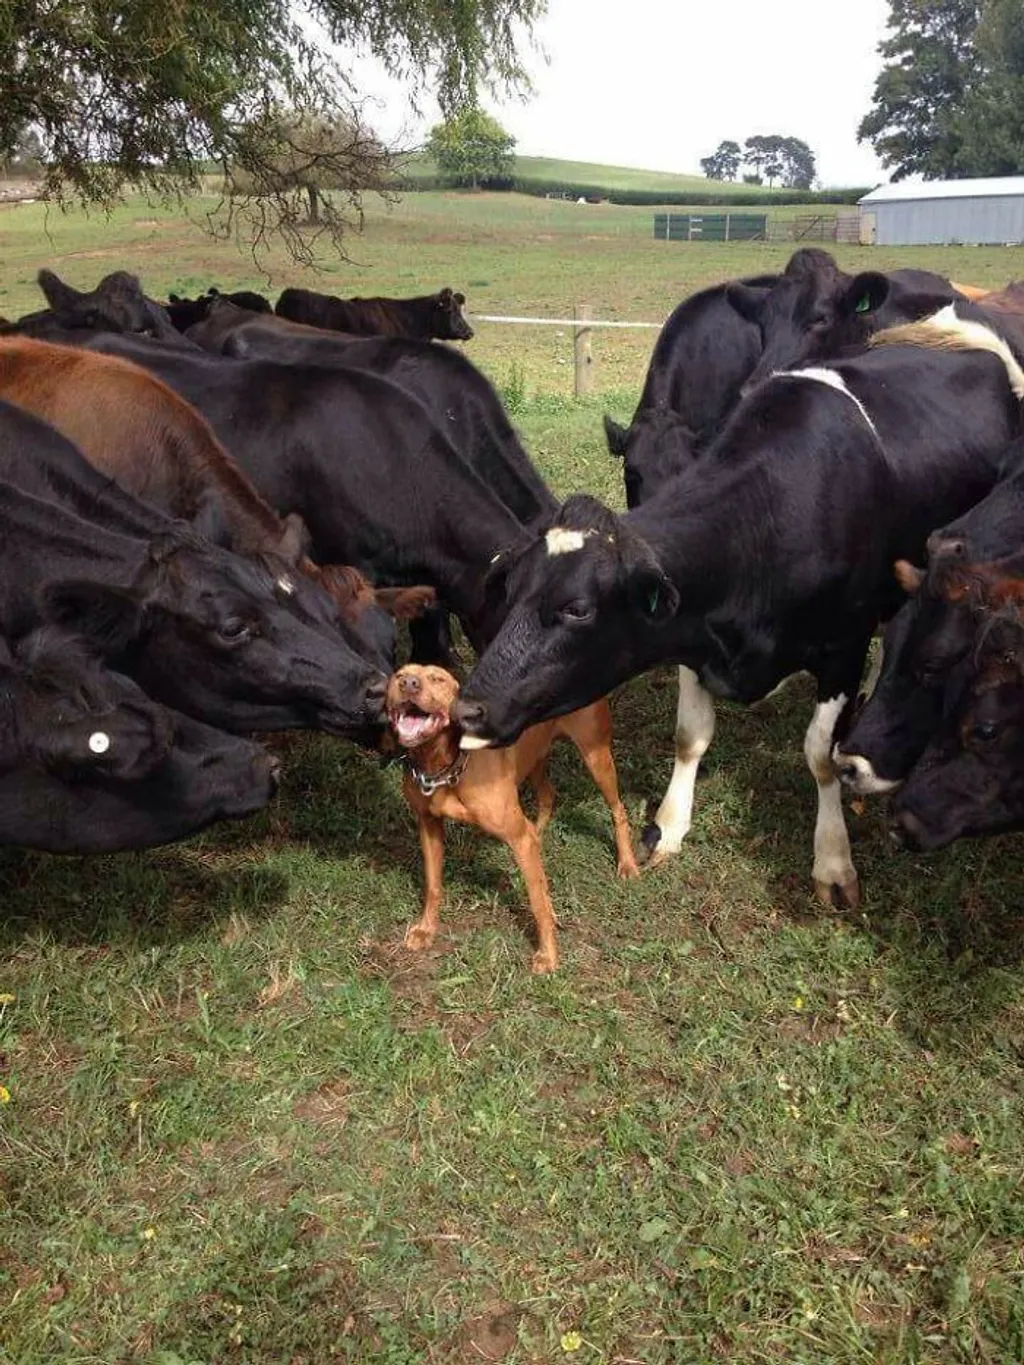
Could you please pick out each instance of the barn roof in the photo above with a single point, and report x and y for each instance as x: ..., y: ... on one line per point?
x: 905, y: 190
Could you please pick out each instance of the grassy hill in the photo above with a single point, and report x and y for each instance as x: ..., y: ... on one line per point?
x: 544, y: 168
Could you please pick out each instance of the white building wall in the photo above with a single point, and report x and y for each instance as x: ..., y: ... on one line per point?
x: 940, y: 222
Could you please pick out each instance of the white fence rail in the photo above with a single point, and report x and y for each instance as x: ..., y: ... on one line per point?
x: 582, y: 324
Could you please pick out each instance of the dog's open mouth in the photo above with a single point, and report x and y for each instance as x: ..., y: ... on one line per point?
x: 415, y: 726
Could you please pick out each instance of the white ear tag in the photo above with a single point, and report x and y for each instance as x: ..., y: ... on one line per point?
x: 287, y: 586
x: 99, y: 742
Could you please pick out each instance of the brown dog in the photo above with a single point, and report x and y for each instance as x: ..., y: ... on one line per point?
x: 482, y: 788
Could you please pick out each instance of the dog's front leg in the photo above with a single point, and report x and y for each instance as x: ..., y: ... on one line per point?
x: 422, y: 933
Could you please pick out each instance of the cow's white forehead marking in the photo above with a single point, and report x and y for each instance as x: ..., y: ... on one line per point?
x: 99, y: 742
x: 286, y: 585
x: 562, y: 541
x: 834, y: 380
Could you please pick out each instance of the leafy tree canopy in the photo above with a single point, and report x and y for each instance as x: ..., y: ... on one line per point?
x: 778, y: 158
x: 724, y: 161
x: 139, y: 92
x: 949, y: 100
x: 472, y: 148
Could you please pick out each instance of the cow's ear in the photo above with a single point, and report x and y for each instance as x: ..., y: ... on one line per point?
x: 406, y: 604
x: 866, y: 293
x: 445, y: 295
x: 295, y: 539
x: 213, y: 292
x: 616, y: 436
x: 908, y: 576
x: 651, y: 591
x: 460, y: 299
x: 108, y: 618
x: 174, y: 298
x: 748, y: 302
x: 57, y: 294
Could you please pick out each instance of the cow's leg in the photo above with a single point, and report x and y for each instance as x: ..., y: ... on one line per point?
x: 430, y: 639
x: 835, y: 877
x: 695, y: 727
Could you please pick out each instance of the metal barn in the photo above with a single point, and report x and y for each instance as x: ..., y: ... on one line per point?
x: 945, y: 212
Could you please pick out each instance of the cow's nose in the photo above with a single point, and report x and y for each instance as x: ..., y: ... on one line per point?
x: 470, y: 714
x: 906, y: 830
x: 846, y: 767
x: 376, y: 693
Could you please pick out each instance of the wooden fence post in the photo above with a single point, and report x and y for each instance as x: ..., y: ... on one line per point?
x: 582, y: 357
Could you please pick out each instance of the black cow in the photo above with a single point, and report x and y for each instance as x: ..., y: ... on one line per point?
x: 932, y: 634
x: 117, y: 304
x: 376, y: 481
x: 424, y: 318
x: 704, y: 354
x: 223, y: 638
x: 185, y: 313
x: 772, y: 554
x: 462, y: 402
x: 816, y: 311
x: 88, y: 764
x: 970, y: 779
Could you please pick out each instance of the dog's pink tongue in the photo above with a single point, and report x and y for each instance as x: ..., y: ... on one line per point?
x: 411, y: 728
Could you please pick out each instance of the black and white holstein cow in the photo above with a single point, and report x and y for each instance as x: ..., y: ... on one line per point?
x: 772, y: 555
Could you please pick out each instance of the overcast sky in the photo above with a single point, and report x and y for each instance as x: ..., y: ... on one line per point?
x: 658, y: 83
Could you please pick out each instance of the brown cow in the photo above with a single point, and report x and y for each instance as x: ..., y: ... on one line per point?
x: 130, y: 425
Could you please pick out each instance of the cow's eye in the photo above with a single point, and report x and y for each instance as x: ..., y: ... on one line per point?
x: 985, y: 731
x: 576, y: 611
x: 235, y: 629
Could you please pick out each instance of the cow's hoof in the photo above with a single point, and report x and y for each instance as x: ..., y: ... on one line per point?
x: 652, y: 851
x: 417, y: 938
x: 840, y: 896
x: 544, y: 963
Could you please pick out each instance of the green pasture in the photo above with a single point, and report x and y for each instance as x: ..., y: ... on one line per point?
x: 240, y: 1123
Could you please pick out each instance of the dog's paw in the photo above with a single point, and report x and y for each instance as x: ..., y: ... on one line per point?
x: 543, y: 963
x: 417, y: 937
x: 627, y: 868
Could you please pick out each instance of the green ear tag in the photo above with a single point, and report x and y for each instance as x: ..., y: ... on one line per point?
x: 652, y: 602
x: 863, y: 304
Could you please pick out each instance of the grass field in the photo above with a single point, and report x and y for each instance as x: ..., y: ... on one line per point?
x: 241, y: 1124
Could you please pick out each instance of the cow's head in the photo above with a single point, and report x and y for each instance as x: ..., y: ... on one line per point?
x: 89, y: 764
x: 117, y: 304
x: 227, y: 639
x: 653, y: 450
x: 797, y: 315
x: 924, y: 645
x: 584, y: 604
x: 970, y: 779
x: 449, y: 322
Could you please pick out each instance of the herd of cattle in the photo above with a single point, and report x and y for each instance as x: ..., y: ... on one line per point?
x: 212, y: 513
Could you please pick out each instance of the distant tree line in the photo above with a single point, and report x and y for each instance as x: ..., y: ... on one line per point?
x: 949, y: 101
x: 787, y: 160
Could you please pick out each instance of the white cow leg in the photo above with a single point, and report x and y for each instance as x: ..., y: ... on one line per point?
x: 835, y: 878
x: 695, y: 727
